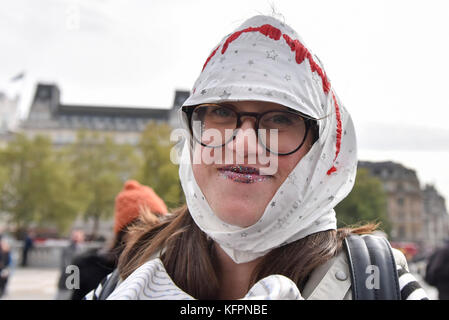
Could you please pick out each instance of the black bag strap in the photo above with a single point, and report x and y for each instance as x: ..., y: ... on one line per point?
x: 109, y: 285
x: 370, y: 255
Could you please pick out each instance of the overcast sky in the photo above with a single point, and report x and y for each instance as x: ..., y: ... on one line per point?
x: 387, y: 60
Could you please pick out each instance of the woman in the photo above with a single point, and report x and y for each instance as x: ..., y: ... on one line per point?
x: 271, y: 151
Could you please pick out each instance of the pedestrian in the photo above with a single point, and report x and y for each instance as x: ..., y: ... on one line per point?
x: 5, y: 263
x: 437, y: 271
x: 68, y: 253
x: 94, y: 265
x: 271, y: 150
x: 28, y: 245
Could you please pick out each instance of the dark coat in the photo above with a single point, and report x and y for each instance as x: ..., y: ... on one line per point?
x: 94, y: 265
x: 437, y: 271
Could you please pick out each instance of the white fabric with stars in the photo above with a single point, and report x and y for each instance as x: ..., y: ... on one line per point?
x: 304, y: 203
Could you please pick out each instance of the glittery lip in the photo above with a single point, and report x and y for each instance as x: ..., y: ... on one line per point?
x: 242, y: 174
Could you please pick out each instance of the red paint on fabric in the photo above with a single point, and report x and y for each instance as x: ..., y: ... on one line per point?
x: 267, y: 30
x: 331, y: 170
x: 302, y: 53
x: 339, y: 130
x: 210, y: 57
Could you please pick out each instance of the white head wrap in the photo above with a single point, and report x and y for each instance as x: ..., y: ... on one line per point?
x: 265, y: 60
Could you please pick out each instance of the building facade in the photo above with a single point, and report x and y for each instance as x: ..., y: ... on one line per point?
x: 437, y: 218
x: 61, y: 122
x: 417, y: 215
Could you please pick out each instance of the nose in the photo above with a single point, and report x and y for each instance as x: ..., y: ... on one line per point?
x: 248, y: 122
x: 245, y: 142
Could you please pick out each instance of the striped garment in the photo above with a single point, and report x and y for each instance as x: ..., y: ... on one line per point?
x: 409, y: 286
x: 151, y: 282
x: 95, y: 294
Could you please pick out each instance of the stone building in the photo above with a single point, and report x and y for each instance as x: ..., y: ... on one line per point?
x: 436, y: 215
x: 404, y: 199
x: 417, y: 215
x: 61, y: 122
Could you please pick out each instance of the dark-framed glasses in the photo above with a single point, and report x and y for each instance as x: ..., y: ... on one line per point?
x: 281, y: 132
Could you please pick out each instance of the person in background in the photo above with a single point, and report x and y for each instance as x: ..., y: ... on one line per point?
x: 5, y: 262
x: 68, y: 253
x: 28, y: 245
x: 95, y: 265
x: 437, y: 271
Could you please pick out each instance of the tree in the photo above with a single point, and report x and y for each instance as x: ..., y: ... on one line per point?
x: 100, y: 167
x: 367, y: 202
x: 41, y: 184
x: 35, y: 185
x: 157, y: 171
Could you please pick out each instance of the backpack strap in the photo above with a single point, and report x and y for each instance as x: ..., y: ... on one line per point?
x: 109, y: 285
x: 371, y: 256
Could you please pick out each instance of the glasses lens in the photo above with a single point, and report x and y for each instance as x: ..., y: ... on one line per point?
x: 213, y: 125
x: 282, y: 132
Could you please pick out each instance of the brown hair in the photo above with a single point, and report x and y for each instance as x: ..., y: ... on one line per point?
x: 189, y: 256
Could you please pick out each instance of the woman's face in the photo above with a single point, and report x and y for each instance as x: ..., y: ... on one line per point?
x: 235, y: 193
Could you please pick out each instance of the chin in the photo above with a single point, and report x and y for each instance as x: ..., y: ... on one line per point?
x: 234, y: 215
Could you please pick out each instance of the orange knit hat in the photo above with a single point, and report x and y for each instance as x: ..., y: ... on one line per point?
x: 130, y: 201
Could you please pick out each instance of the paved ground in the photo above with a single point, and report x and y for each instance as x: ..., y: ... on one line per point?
x: 32, y: 284
x: 41, y: 284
